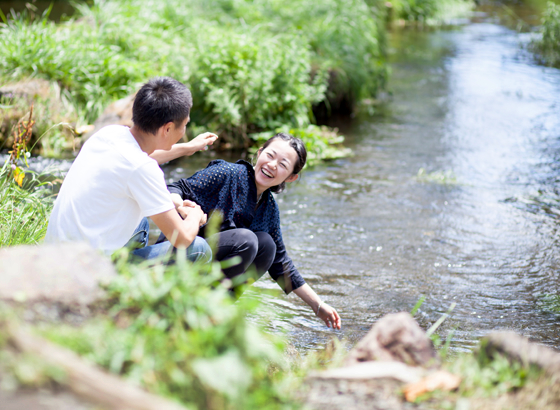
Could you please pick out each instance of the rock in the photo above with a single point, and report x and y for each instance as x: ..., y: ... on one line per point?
x: 395, y: 337
x: 119, y: 112
x: 520, y: 349
x: 67, y: 273
x: 29, y: 89
x: 82, y: 378
x: 49, y: 107
x: 375, y: 394
x: 43, y: 400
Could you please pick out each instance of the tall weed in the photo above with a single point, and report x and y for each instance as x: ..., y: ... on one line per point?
x: 25, y: 210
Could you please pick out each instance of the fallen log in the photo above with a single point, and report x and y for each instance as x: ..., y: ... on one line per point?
x: 84, y: 379
x: 520, y: 349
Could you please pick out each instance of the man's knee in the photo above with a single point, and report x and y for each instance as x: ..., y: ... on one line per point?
x: 199, y: 251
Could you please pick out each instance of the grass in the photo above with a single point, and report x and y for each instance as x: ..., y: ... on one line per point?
x: 254, y: 66
x: 177, y: 332
x: 25, y: 210
x: 429, y: 12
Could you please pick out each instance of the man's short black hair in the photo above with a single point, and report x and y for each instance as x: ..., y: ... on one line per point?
x: 159, y: 101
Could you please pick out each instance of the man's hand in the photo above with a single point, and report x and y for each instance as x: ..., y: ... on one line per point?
x: 202, y: 141
x: 192, y: 210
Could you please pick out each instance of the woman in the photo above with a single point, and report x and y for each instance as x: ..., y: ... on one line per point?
x: 251, y: 220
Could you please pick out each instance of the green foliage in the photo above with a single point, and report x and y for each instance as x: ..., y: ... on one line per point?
x: 418, y: 304
x: 243, y: 84
x: 484, y: 377
x: 549, y: 303
x: 438, y: 177
x: 25, y: 210
x: 252, y: 66
x: 347, y: 38
x: 176, y: 331
x: 93, y: 72
x: 430, y: 12
x: 547, y: 46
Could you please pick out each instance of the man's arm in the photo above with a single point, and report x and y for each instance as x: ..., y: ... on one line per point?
x: 185, y: 149
x: 180, y: 232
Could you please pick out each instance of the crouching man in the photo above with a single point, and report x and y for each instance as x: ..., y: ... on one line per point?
x: 114, y: 184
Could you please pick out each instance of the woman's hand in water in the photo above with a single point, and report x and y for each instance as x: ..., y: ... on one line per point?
x: 329, y: 315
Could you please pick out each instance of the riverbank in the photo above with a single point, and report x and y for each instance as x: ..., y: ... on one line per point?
x: 252, y: 67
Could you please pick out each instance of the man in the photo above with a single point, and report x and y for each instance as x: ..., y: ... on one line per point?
x: 114, y: 183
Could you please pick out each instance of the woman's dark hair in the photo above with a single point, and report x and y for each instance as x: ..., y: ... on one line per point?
x: 298, y: 147
x: 159, y: 101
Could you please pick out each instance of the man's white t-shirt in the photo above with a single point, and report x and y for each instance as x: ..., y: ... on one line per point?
x: 110, y: 187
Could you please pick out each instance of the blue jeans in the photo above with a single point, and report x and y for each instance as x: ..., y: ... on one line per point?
x: 198, y: 251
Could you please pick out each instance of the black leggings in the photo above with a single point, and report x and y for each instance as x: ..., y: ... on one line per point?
x: 254, y: 248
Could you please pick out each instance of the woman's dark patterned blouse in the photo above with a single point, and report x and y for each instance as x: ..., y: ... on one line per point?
x: 230, y: 188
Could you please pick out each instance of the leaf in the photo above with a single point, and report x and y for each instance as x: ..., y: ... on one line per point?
x: 227, y: 374
x: 440, y: 380
x: 19, y: 175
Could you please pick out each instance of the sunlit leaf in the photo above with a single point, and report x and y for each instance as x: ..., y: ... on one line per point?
x: 19, y: 175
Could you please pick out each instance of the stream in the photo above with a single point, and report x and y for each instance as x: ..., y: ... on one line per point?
x: 451, y: 194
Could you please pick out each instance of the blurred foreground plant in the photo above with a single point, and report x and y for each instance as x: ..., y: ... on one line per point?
x: 177, y: 331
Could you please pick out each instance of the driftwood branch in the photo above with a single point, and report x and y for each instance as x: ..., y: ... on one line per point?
x: 84, y: 379
x: 520, y: 349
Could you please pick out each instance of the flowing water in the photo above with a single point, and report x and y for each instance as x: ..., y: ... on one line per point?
x: 451, y: 194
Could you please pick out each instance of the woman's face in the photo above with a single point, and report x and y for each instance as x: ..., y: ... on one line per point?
x: 275, y: 164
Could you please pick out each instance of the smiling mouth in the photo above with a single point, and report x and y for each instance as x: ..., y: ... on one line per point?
x: 266, y: 173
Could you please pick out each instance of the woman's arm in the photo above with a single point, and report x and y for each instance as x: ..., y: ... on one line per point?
x: 185, y: 149
x: 327, y: 313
